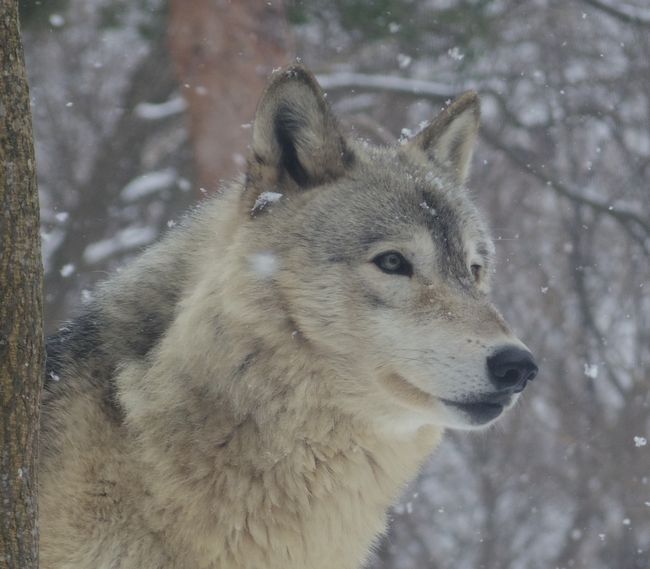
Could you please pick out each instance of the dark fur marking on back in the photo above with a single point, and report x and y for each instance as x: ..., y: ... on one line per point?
x: 76, y: 350
x: 76, y: 340
x: 149, y: 333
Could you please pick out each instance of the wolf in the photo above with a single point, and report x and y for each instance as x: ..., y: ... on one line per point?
x: 256, y: 389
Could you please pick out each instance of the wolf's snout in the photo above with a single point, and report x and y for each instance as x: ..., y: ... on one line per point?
x: 511, y: 368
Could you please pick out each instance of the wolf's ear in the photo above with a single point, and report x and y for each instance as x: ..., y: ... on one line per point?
x: 296, y: 139
x: 449, y: 139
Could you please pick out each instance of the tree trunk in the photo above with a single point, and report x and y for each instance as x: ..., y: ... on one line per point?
x: 21, y: 325
x: 223, y: 52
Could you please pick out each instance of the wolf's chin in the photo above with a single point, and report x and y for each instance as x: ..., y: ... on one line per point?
x: 480, y: 413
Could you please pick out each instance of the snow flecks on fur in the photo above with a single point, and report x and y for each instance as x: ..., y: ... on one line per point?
x: 436, y: 180
x: 264, y: 265
x: 405, y: 135
x: 428, y: 208
x: 264, y: 200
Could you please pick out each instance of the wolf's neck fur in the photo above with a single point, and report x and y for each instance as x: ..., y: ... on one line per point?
x: 304, y: 483
x: 263, y: 437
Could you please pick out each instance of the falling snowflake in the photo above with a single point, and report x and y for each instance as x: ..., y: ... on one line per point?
x: 67, y: 270
x: 403, y: 60
x: 455, y: 54
x: 56, y: 20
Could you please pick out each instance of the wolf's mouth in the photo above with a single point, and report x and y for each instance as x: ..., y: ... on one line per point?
x: 480, y: 411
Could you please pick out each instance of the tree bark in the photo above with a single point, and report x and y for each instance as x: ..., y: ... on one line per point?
x: 21, y: 325
x: 223, y: 52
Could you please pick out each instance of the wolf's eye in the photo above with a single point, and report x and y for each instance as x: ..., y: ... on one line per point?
x: 393, y: 263
x: 476, y: 272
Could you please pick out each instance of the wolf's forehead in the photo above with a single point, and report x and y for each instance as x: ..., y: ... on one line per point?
x: 390, y: 198
x: 427, y: 195
x: 400, y: 196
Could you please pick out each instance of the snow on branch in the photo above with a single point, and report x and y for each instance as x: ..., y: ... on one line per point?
x: 126, y: 240
x: 157, y: 111
x: 388, y: 83
x: 623, y: 12
x: 147, y: 184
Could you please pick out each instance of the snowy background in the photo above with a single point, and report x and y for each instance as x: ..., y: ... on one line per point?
x: 130, y: 102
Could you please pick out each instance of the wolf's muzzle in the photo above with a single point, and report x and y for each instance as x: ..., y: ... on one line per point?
x: 511, y: 368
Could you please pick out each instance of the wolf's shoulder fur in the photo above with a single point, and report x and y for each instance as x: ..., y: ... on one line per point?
x: 256, y: 389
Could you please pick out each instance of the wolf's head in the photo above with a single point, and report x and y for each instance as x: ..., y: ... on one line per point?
x: 378, y: 259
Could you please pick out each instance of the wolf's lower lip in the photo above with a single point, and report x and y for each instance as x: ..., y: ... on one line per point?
x: 480, y: 412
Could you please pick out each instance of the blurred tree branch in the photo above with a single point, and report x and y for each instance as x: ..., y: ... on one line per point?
x: 622, y: 12
x: 389, y: 84
x: 110, y: 171
x: 636, y: 225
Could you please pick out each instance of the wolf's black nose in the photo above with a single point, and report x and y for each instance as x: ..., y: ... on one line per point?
x: 511, y: 368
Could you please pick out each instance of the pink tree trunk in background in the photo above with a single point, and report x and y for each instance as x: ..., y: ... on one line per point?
x: 223, y: 52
